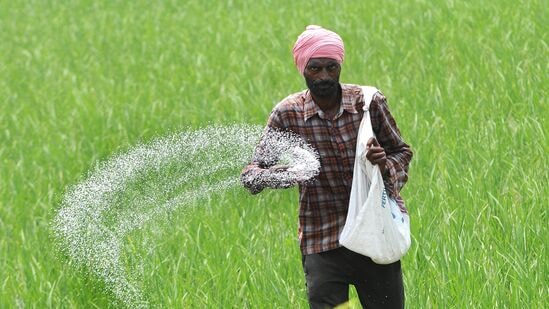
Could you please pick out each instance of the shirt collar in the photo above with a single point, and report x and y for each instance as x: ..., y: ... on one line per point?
x: 348, y: 101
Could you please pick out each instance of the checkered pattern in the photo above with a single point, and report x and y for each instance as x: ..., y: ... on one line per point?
x: 324, y: 202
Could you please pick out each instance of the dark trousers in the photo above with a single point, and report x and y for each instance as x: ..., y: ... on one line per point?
x: 329, y: 274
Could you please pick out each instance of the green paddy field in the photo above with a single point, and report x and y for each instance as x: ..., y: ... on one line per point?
x: 467, y: 82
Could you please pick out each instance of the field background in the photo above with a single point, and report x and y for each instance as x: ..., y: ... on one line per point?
x: 466, y: 80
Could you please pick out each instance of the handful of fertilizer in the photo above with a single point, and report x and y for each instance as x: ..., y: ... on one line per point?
x: 286, y: 159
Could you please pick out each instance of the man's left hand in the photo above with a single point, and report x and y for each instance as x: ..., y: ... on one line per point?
x: 376, y: 154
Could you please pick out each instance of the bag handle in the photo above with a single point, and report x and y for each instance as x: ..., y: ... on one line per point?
x: 366, y: 130
x: 368, y: 94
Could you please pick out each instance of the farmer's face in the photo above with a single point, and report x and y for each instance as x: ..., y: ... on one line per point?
x: 322, y: 76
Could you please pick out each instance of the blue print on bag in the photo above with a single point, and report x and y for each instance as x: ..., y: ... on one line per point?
x: 384, y: 202
x: 383, y: 198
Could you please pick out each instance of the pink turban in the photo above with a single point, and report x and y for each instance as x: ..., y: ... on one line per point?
x: 317, y: 42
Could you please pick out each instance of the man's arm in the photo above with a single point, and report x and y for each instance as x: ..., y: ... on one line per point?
x: 262, y: 172
x: 397, y: 153
x: 256, y: 178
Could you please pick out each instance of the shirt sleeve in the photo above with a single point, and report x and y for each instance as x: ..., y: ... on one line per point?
x: 397, y: 151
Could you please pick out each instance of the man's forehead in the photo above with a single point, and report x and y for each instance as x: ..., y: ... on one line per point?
x: 321, y: 61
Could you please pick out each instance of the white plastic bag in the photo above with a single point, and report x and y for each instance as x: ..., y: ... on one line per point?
x: 375, y: 226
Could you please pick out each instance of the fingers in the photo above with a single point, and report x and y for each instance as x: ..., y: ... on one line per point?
x: 372, y: 142
x: 377, y: 157
x: 378, y: 160
x: 376, y: 153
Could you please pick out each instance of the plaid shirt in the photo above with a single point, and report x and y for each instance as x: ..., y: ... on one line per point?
x: 324, y: 202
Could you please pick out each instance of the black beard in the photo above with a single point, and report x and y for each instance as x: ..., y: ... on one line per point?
x: 324, y: 88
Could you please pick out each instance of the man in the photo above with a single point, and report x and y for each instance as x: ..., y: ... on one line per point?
x: 327, y: 115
